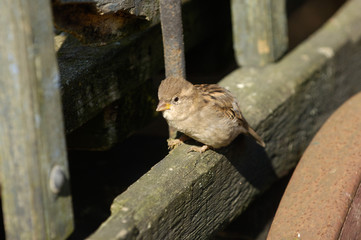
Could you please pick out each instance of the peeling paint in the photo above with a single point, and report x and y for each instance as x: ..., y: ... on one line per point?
x: 14, y: 69
x: 37, y: 119
x: 240, y: 85
x: 122, y: 234
x: 326, y: 51
x: 125, y: 209
x: 245, y: 84
x: 262, y: 46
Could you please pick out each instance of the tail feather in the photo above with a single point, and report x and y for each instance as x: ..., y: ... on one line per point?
x: 253, y: 134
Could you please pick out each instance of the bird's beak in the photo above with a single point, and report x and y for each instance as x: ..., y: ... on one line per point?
x: 162, y: 106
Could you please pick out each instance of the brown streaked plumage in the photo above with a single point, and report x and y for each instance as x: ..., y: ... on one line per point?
x: 207, y: 113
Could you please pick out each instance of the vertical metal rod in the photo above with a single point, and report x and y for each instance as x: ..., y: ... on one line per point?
x: 172, y: 31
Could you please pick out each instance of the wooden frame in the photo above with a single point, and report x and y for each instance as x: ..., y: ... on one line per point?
x: 34, y: 174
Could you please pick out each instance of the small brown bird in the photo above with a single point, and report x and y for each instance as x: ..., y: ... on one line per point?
x: 207, y: 113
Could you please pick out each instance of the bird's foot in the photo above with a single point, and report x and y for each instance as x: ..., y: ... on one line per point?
x: 173, y: 143
x: 199, y: 149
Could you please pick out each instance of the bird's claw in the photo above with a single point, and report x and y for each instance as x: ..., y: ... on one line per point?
x: 199, y: 149
x: 173, y: 143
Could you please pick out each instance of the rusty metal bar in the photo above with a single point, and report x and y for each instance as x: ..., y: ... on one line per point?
x: 172, y: 31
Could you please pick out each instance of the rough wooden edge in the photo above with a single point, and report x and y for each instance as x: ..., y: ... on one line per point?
x: 100, y: 22
x: 137, y: 7
x: 146, y: 8
x: 192, y: 195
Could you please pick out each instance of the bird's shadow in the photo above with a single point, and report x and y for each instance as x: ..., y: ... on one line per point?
x: 249, y: 159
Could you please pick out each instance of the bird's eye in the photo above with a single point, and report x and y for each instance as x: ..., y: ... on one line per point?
x: 176, y: 99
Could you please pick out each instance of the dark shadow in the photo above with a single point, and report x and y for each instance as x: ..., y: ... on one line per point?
x: 249, y: 158
x: 256, y: 220
x: 98, y: 177
x: 65, y: 188
x: 251, y: 161
x: 2, y: 227
x: 306, y: 16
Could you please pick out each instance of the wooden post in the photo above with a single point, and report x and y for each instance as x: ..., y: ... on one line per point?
x: 259, y: 31
x: 34, y: 174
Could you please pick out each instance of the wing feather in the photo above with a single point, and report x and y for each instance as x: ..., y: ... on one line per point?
x: 226, y: 102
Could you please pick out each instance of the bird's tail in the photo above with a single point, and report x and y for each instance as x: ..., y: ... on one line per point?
x: 253, y: 134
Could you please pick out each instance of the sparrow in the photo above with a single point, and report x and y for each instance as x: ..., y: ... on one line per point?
x: 207, y: 113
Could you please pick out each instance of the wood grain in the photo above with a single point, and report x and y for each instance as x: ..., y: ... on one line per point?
x: 31, y: 125
x: 259, y: 31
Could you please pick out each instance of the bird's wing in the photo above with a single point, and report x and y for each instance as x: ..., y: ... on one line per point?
x: 225, y: 102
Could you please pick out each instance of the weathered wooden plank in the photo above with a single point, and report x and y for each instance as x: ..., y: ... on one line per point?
x: 100, y: 22
x: 191, y: 195
x: 91, y: 26
x: 259, y: 31
x: 146, y: 8
x: 35, y: 194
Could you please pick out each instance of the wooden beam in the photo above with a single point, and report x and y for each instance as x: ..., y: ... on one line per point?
x: 144, y: 8
x: 100, y: 22
x: 259, y: 31
x: 34, y: 174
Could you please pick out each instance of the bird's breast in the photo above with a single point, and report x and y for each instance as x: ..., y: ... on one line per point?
x: 208, y: 128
